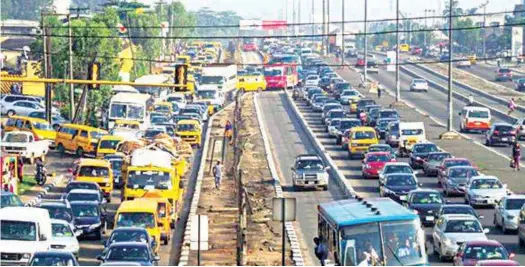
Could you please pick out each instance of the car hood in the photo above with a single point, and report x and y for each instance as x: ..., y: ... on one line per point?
x: 87, y: 220
x: 464, y: 237
x: 458, y: 180
x: 404, y: 189
x: 489, y: 192
x: 426, y: 207
x: 377, y: 164
x: 142, y: 263
x: 66, y: 241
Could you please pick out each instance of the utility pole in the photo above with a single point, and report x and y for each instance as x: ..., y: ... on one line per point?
x: 342, y: 33
x: 366, y: 42
x: 312, y: 19
x: 71, y: 86
x: 327, y: 26
x: 398, y: 85
x: 171, y: 29
x: 450, y: 57
x: 131, y: 45
x: 299, y: 14
x: 294, y: 18
x: 323, y: 43
x: 425, y: 33
x: 484, y: 6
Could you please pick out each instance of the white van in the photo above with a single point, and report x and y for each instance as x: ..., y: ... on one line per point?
x: 475, y: 119
x: 25, y: 230
x: 410, y: 133
x: 177, y: 98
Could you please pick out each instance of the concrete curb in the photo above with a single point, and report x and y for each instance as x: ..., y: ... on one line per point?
x: 335, y: 174
x: 185, y: 250
x: 47, y: 188
x: 464, y: 86
x: 297, y: 256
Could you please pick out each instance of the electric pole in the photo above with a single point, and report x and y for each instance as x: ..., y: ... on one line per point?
x: 323, y: 43
x: 366, y: 42
x: 71, y: 86
x: 327, y: 26
x: 398, y: 85
x: 312, y: 19
x: 342, y: 33
x: 484, y: 6
x: 294, y: 18
x: 450, y: 53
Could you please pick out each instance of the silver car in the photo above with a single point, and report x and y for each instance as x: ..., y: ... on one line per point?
x: 452, y: 230
x: 333, y: 127
x: 484, y: 190
x: 507, y: 212
x: 64, y: 237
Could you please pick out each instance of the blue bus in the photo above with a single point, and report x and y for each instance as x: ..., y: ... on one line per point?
x: 376, y: 231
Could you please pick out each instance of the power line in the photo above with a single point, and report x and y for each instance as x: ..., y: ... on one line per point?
x: 288, y: 24
x: 266, y: 36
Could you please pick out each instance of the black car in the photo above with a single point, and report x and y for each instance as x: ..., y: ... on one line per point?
x: 129, y: 234
x: 419, y: 154
x: 131, y: 252
x: 388, y: 114
x: 392, y: 134
x: 89, y: 218
x: 382, y: 125
x: 324, y: 83
x: 59, y: 210
x: 500, y: 133
x: 345, y: 124
x: 426, y: 203
x: 433, y: 161
x: 397, y: 186
x: 116, y: 162
x: 362, y: 103
x: 53, y: 258
x: 520, y: 84
x: 373, y: 114
x: 462, y: 209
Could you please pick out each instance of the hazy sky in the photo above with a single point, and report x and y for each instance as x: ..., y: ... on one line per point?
x: 354, y: 9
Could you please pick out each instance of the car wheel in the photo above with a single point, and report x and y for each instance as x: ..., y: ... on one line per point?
x: 503, y: 227
x: 61, y: 149
x: 98, y: 235
x: 80, y: 152
x: 495, y: 222
x: 11, y: 113
x: 520, y: 242
x: 445, y: 191
x: 440, y: 256
x: 325, y: 188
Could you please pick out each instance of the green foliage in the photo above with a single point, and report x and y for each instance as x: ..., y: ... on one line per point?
x: 207, y: 17
x: 23, y: 9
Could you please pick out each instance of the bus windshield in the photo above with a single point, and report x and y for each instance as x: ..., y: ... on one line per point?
x: 206, y: 94
x: 149, y: 180
x: 403, y: 243
x: 126, y: 111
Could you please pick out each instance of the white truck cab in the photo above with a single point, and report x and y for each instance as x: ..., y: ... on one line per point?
x: 25, y: 145
x: 213, y: 97
x: 25, y: 230
x: 410, y: 133
x: 475, y: 119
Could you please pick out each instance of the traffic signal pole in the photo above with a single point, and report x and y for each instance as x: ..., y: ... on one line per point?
x: 88, y: 82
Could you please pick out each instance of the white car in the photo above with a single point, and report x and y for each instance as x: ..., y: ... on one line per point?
x: 419, y: 85
x: 312, y: 80
x: 452, y: 230
x: 484, y: 190
x: 21, y: 108
x: 463, y: 63
x: 349, y: 95
x: 507, y: 212
x: 333, y: 127
x: 395, y: 167
x: 520, y: 128
x: 64, y: 237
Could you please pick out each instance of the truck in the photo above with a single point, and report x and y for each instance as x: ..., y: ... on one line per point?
x: 25, y: 145
x: 219, y: 76
x: 131, y: 107
x: 410, y: 133
x: 25, y: 230
x: 213, y: 97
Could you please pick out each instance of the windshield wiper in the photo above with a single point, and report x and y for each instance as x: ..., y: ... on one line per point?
x: 395, y: 256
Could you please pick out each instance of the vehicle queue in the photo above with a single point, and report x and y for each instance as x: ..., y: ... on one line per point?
x: 143, y: 153
x: 381, y: 138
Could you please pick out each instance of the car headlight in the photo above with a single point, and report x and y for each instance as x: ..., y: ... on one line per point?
x: 94, y: 226
x: 73, y: 247
x: 477, y: 196
x: 388, y: 191
x: 26, y: 256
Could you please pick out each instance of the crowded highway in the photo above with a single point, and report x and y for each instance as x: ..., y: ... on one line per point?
x: 374, y: 152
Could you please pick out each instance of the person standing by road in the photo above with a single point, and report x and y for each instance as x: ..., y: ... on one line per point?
x: 379, y: 90
x: 516, y: 155
x: 512, y: 106
x: 217, y: 174
x: 321, y: 251
x: 228, y: 131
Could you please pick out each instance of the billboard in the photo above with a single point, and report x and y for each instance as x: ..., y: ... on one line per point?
x: 250, y: 24
x: 273, y: 25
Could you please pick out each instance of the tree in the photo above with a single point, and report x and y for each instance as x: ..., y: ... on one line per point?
x: 23, y: 9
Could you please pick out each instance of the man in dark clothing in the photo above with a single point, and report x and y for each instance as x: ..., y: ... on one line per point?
x: 516, y: 155
x: 378, y: 91
x: 321, y: 250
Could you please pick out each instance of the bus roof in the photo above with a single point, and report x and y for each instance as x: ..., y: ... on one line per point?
x: 138, y: 205
x: 353, y: 211
x: 131, y: 98
x: 153, y: 78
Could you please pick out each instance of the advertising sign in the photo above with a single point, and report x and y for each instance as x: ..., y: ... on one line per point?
x: 273, y: 25
x: 250, y: 24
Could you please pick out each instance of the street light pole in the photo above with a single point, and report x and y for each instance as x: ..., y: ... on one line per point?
x: 450, y: 53
x: 425, y: 33
x: 327, y: 26
x: 484, y: 6
x: 323, y: 39
x: 342, y: 33
x: 398, y: 85
x: 366, y: 43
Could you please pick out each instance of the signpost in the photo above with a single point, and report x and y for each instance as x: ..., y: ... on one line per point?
x: 283, y: 209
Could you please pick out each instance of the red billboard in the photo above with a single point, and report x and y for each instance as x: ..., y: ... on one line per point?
x: 273, y: 25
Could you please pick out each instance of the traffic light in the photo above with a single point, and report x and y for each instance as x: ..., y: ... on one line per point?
x: 181, y: 77
x: 94, y: 75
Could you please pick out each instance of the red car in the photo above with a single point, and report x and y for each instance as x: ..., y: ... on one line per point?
x: 498, y: 263
x: 473, y: 251
x: 249, y: 47
x: 374, y: 162
x: 450, y: 162
x: 360, y: 62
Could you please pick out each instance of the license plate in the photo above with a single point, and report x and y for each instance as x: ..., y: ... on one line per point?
x: 430, y: 218
x: 504, y: 139
x: 477, y: 123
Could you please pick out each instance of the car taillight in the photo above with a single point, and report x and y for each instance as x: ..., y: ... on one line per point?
x: 496, y: 132
x: 512, y: 132
x: 37, y: 138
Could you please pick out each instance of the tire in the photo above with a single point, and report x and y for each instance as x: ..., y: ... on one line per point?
x: 80, y: 152
x: 61, y: 149
x: 325, y: 188
x: 503, y: 228
x: 98, y: 236
x: 440, y: 256
x: 166, y: 241
x: 11, y: 113
x: 520, y: 242
x: 495, y: 222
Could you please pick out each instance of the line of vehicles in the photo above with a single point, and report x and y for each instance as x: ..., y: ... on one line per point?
x: 389, y: 230
x: 142, y: 153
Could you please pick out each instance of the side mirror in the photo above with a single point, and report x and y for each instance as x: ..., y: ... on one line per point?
x: 420, y: 184
x: 486, y: 230
x: 43, y: 237
x: 328, y: 168
x: 292, y: 168
x: 415, y: 172
x: 504, y: 185
x: 99, y: 258
x: 481, y: 217
x: 459, y: 113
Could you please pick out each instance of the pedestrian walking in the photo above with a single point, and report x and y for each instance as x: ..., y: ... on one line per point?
x: 217, y: 174
x: 320, y: 250
x: 516, y: 156
x: 511, y: 106
x: 20, y: 169
x: 379, y: 90
x: 228, y: 131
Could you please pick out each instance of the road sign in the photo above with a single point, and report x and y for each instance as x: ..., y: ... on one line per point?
x: 268, y: 25
x: 288, y: 204
x: 250, y: 24
x: 199, y: 232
